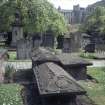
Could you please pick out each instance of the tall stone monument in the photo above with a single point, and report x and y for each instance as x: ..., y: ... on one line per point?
x: 17, y: 29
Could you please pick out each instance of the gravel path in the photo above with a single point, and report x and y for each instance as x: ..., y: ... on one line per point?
x: 98, y: 63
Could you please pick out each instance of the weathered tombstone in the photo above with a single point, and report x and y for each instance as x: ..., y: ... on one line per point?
x: 66, y: 44
x: 75, y: 66
x: 36, y: 40
x: 17, y: 29
x: 54, y: 84
x: 29, y: 47
x: 75, y: 41
x: 48, y: 84
x: 24, y: 48
x: 48, y: 39
x: 41, y: 55
x: 21, y: 49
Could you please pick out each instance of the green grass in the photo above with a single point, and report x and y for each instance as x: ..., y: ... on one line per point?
x: 96, y: 91
x: 88, y: 55
x: 10, y: 94
x: 12, y: 55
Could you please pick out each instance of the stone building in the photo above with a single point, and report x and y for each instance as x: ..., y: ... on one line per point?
x: 74, y: 16
x: 92, y: 7
x: 78, y: 14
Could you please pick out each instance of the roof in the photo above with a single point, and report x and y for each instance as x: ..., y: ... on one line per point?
x: 70, y: 60
x: 41, y: 55
x: 52, y: 80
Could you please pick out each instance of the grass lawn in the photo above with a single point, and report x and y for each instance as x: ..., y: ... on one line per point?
x: 96, y: 91
x: 88, y: 55
x: 10, y: 94
x: 12, y: 55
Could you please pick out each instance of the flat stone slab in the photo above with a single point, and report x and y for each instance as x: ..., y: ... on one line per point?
x: 70, y: 60
x: 52, y: 80
x: 41, y: 55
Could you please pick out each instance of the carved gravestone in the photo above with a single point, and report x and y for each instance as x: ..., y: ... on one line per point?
x: 66, y: 44
x: 17, y: 29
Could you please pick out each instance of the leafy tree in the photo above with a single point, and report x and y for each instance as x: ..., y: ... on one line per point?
x: 37, y: 16
x: 95, y: 23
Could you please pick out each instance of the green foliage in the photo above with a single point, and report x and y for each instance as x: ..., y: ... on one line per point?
x: 9, y: 71
x: 10, y: 94
x: 95, y: 23
x: 37, y: 16
x: 12, y: 55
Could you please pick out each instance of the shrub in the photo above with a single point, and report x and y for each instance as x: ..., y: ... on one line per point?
x: 9, y: 71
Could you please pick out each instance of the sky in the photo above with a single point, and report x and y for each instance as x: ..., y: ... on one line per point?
x: 68, y: 4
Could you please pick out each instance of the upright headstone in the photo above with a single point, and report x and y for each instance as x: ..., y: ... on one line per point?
x: 29, y: 46
x: 24, y: 48
x: 75, y: 41
x: 48, y: 40
x: 17, y: 29
x: 66, y: 44
x: 21, y: 49
x: 36, y: 40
